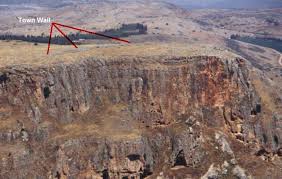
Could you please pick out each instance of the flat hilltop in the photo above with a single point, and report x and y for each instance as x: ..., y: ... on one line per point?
x: 22, y: 53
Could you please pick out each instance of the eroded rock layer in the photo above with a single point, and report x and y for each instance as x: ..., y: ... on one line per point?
x: 134, y: 118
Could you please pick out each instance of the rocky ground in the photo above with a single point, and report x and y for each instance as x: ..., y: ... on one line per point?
x: 155, y: 117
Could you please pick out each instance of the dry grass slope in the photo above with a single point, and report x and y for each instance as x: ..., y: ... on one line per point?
x: 22, y: 53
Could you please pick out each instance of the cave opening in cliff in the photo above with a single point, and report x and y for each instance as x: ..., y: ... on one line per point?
x: 261, y: 152
x: 133, y: 157
x: 276, y: 141
x: 180, y: 159
x: 253, y: 112
x: 46, y: 92
x: 146, y: 172
x: 3, y: 78
x: 105, y: 174
x: 264, y: 138
x: 130, y: 92
x: 58, y: 175
x: 258, y: 108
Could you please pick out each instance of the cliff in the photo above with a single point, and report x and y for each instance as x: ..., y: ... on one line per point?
x: 134, y: 118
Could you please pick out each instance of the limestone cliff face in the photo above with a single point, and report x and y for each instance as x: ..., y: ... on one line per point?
x: 159, y: 91
x: 127, y: 117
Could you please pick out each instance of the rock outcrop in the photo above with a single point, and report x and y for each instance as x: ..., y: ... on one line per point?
x: 130, y: 118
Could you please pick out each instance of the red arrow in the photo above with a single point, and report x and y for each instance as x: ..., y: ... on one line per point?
x: 49, y: 43
x: 65, y: 36
x: 54, y: 24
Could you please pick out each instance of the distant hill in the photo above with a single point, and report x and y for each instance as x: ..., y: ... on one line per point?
x: 44, y: 2
x: 21, y: 1
x: 228, y: 3
x: 14, y: 2
x: 190, y: 4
